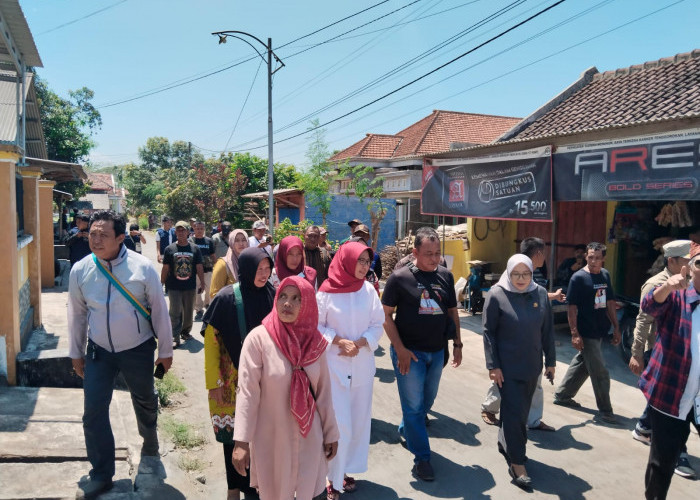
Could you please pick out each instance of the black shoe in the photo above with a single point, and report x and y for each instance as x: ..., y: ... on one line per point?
x: 569, y: 403
x: 92, y: 489
x: 185, y: 337
x: 199, y: 316
x: 423, y: 470
x: 523, y: 481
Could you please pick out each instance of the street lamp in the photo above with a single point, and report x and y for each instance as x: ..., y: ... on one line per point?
x: 223, y: 35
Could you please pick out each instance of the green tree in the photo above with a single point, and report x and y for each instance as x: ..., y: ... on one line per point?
x: 68, y: 125
x: 317, y: 179
x: 369, y: 188
x: 144, y: 188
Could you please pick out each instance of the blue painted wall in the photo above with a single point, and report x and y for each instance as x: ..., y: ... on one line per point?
x: 289, y: 213
x: 344, y: 209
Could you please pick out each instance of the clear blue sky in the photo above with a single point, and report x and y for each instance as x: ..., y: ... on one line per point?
x: 135, y: 46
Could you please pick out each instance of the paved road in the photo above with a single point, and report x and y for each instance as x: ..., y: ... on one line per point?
x: 581, y: 460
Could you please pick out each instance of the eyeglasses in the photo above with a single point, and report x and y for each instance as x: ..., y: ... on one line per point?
x: 364, y: 262
x: 517, y: 276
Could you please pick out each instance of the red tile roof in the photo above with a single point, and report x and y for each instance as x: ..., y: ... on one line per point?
x: 100, y: 182
x: 656, y: 90
x: 431, y: 134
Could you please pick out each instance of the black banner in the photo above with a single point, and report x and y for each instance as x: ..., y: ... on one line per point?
x: 654, y: 167
x: 506, y: 186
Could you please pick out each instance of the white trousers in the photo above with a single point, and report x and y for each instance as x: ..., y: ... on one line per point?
x: 353, y: 414
x: 492, y: 403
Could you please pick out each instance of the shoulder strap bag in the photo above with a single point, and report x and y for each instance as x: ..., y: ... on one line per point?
x: 240, y: 312
x: 143, y: 310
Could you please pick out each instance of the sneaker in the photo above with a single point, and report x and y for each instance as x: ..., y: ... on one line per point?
x: 683, y: 467
x: 199, y: 316
x: 92, y: 489
x: 642, y: 437
x: 423, y: 470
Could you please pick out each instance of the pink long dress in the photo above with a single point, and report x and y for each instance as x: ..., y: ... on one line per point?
x: 282, y: 462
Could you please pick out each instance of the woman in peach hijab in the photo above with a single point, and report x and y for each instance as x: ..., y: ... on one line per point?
x: 285, y: 430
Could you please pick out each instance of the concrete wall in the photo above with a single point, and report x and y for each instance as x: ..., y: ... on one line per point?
x: 345, y: 208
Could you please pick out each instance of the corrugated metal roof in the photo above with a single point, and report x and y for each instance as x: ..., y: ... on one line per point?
x: 35, y: 142
x: 13, y: 17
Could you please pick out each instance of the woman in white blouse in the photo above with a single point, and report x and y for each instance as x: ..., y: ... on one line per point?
x: 351, y: 318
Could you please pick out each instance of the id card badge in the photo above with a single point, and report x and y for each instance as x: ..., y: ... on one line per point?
x: 697, y: 410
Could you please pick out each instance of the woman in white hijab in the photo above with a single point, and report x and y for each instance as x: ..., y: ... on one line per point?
x: 517, y: 321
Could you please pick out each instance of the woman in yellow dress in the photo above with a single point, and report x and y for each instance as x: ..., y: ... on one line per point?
x: 225, y: 270
x: 223, y: 339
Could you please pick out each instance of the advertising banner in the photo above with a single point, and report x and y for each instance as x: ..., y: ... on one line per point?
x: 514, y: 185
x: 653, y: 167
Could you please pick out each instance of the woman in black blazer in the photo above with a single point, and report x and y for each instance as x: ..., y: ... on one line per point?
x: 517, y: 321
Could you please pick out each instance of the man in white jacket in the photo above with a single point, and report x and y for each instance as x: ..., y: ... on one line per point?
x: 118, y: 339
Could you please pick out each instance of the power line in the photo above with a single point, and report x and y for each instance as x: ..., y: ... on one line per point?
x: 425, y: 75
x: 407, y: 63
x: 244, y: 103
x: 81, y: 18
x: 187, y: 80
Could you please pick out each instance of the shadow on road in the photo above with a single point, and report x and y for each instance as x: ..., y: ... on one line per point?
x: 384, y: 431
x: 385, y: 375
x: 449, y: 428
x: 556, y: 481
x: 560, y: 440
x: 192, y: 345
x: 456, y: 481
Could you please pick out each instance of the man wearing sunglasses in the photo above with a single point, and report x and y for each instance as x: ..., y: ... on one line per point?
x: 671, y: 380
x: 590, y: 313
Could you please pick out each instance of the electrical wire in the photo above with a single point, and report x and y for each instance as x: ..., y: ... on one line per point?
x: 55, y: 28
x: 199, y: 76
x: 243, y: 107
x: 425, y: 75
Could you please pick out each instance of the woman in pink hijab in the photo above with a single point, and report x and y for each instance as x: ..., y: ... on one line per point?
x: 285, y: 429
x: 289, y: 261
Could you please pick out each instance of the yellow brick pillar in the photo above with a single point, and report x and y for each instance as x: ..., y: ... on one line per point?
x: 46, y: 251
x: 9, y: 293
x: 30, y: 185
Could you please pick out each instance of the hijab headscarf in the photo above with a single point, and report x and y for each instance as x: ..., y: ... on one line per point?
x: 287, y: 243
x: 257, y: 303
x: 231, y: 258
x: 341, y: 273
x: 302, y: 344
x: 505, y: 282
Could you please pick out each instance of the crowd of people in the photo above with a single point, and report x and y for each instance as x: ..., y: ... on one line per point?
x: 290, y: 333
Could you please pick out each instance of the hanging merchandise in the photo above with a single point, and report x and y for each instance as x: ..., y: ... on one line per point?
x: 674, y: 215
x: 628, y: 225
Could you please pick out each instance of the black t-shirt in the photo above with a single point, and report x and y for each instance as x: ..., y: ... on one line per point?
x: 590, y: 293
x: 419, y: 319
x: 183, y: 266
x: 133, y: 243
x: 206, y: 246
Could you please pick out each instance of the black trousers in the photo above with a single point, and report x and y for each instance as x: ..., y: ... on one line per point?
x: 516, y: 398
x: 668, y: 437
x: 233, y: 479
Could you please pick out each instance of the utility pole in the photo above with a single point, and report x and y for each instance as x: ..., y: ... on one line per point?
x: 223, y: 35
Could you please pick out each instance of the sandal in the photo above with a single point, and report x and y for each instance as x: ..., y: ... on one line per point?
x: 489, y: 418
x: 349, y: 484
x: 332, y: 493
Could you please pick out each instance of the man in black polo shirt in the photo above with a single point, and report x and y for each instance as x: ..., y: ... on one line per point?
x: 418, y: 339
x: 182, y: 265
x: 77, y: 243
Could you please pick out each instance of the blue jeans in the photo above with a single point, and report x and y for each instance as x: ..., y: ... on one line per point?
x: 417, y: 392
x: 101, y: 369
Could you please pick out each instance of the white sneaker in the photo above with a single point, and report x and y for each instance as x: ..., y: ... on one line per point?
x: 642, y: 438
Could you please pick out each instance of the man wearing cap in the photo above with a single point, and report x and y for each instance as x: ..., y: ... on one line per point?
x: 671, y: 380
x: 77, y: 243
x: 164, y: 236
x: 220, y: 240
x: 259, y: 239
x: 676, y: 255
x: 362, y: 231
x: 353, y: 224
x: 182, y: 266
x: 322, y: 243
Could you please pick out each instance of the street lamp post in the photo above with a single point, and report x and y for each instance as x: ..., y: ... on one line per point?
x: 223, y: 35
